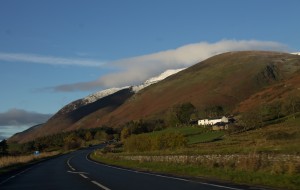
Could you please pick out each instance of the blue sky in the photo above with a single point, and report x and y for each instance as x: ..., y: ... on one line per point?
x: 55, y: 51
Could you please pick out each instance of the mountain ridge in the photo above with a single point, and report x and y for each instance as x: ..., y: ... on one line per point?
x: 75, y: 110
x: 226, y: 80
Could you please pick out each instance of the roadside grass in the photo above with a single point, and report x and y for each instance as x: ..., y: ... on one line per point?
x: 280, y: 139
x: 8, y: 163
x: 259, y: 178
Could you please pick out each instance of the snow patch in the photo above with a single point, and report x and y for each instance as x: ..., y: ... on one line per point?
x: 101, y: 94
x: 296, y: 53
x: 156, y: 79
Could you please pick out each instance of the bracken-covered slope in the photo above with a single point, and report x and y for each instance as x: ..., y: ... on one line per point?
x: 233, y: 80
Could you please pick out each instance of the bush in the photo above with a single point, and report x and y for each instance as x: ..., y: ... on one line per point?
x: 162, y: 141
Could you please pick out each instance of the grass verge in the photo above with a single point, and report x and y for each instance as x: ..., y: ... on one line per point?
x: 261, y: 178
x: 9, y: 163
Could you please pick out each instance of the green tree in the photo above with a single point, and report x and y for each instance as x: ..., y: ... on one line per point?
x: 275, y: 110
x: 28, y: 147
x: 88, y: 136
x: 181, y: 114
x: 169, y: 140
x: 214, y: 111
x: 125, y: 133
x: 100, y: 135
x: 3, y: 148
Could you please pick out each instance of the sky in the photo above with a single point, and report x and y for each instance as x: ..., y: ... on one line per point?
x: 53, y: 52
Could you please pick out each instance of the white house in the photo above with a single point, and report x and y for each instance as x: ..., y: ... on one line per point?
x: 212, y: 121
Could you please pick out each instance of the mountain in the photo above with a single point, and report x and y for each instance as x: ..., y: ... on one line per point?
x: 237, y: 81
x: 103, y: 102
x: 227, y: 80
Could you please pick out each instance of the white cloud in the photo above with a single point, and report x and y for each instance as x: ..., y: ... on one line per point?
x: 136, y: 70
x: 18, y: 117
x: 32, y: 58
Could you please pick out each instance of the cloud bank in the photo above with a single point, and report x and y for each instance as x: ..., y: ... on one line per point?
x: 136, y: 70
x: 19, y: 117
x: 32, y: 58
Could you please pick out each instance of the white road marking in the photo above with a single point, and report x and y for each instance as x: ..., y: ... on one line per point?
x: 77, y: 172
x: 13, y: 176
x: 68, y: 162
x: 100, y: 185
x: 82, y: 175
x: 163, y: 176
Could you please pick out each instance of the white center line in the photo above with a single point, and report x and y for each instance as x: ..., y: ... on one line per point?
x: 99, y: 185
x: 68, y: 162
x: 82, y: 175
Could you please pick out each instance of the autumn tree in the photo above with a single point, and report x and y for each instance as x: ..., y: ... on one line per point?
x: 251, y: 119
x: 88, y: 136
x: 72, y: 141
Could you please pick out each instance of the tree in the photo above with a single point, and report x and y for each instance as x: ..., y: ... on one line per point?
x: 125, y: 133
x: 3, y: 148
x: 100, y: 135
x: 293, y: 104
x: 275, y: 110
x: 251, y: 119
x: 72, y: 141
x: 214, y: 111
x: 88, y: 136
x: 181, y: 114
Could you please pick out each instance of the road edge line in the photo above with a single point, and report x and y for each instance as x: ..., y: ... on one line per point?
x: 158, y: 175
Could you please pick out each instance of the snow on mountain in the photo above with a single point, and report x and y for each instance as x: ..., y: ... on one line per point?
x: 296, y: 53
x: 156, y: 79
x: 101, y: 94
x: 162, y: 76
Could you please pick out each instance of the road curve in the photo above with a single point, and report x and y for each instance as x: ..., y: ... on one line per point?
x: 75, y: 171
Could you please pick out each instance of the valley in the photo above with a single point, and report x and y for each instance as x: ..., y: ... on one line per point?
x: 154, y: 126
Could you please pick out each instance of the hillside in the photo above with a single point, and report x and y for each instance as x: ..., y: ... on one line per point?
x: 234, y: 80
x: 63, y: 120
x: 227, y: 80
x: 102, y: 102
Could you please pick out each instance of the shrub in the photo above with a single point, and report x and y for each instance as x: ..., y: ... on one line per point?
x: 148, y: 142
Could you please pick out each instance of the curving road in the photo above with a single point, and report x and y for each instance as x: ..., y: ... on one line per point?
x: 75, y: 171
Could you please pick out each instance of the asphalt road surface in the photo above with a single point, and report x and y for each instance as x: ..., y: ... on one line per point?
x: 75, y: 171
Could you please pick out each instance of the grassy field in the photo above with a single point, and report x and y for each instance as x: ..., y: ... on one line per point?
x: 251, y: 147
x: 194, y: 134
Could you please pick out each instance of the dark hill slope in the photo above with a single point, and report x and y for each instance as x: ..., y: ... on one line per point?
x: 280, y: 92
x: 64, y: 119
x: 226, y: 79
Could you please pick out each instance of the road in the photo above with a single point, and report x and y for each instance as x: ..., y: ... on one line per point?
x: 75, y: 171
